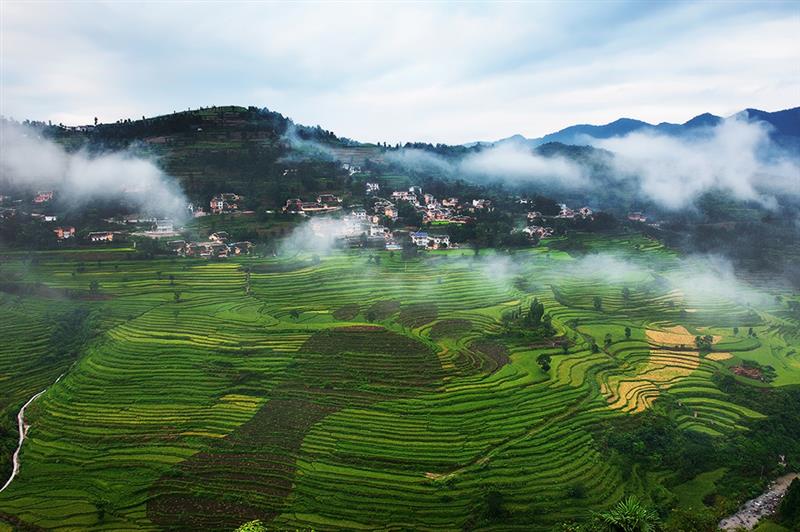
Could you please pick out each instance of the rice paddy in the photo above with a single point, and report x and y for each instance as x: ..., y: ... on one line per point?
x: 356, y: 394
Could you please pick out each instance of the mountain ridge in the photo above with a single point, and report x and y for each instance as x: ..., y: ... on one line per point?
x: 784, y: 123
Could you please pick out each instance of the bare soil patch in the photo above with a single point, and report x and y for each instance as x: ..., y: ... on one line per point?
x: 347, y: 312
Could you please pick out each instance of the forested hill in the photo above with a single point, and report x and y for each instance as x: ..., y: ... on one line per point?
x: 241, y: 149
x: 248, y: 150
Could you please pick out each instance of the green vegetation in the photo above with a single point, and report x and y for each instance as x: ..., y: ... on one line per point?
x: 789, y: 511
x: 441, y: 390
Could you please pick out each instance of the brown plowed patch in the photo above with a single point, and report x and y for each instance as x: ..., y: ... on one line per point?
x: 255, y: 463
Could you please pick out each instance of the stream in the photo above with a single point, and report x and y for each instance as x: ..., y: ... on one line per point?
x: 23, y: 430
x: 751, y: 512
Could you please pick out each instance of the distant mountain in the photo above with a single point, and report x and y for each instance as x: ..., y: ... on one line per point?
x: 786, y: 122
x: 576, y: 134
x: 785, y: 128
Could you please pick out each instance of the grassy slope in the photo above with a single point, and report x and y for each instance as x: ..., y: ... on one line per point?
x: 166, y: 419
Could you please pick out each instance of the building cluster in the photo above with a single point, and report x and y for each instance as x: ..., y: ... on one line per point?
x: 63, y: 233
x: 226, y: 202
x: 637, y: 217
x: 325, y: 203
x: 535, y: 219
x: 352, y: 169
x: 538, y: 231
x: 430, y: 241
x: 43, y: 197
x: 570, y: 214
x: 218, y: 245
x: 446, y: 211
x: 359, y: 229
x: 102, y: 236
x: 355, y: 229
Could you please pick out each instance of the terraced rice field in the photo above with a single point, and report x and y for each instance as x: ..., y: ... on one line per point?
x: 354, y: 395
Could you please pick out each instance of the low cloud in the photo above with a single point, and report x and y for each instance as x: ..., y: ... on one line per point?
x: 735, y: 157
x: 706, y: 278
x: 419, y: 161
x: 518, y: 163
x: 319, y: 236
x: 605, y: 267
x: 31, y: 161
x: 305, y: 149
x: 511, y: 162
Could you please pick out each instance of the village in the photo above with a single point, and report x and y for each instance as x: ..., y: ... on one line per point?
x: 375, y: 223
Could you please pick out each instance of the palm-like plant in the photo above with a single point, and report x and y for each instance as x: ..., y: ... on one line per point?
x: 629, y: 515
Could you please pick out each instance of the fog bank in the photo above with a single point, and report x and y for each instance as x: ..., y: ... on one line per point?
x: 31, y: 161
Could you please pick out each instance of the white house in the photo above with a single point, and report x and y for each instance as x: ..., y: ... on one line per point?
x: 164, y: 226
x: 377, y: 230
x: 438, y: 241
x: 424, y: 240
x: 420, y: 239
x: 566, y: 212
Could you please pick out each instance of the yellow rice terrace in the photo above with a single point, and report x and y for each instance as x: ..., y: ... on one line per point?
x: 363, y: 390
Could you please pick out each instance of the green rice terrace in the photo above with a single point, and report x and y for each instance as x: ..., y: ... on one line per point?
x: 368, y: 390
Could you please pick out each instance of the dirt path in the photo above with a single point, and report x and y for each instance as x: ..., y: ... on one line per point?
x: 23, y: 431
x: 751, y: 512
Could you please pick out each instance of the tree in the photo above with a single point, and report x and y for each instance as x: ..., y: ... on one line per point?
x: 544, y: 362
x: 703, y: 343
x: 252, y: 526
x: 494, y: 505
x: 177, y: 296
x: 94, y: 286
x: 693, y: 520
x: 735, y: 331
x: 171, y: 279
x: 626, y: 293
x: 627, y: 333
x: 536, y: 312
x: 607, y: 341
x: 790, y: 507
x: 102, y: 506
x: 597, y: 301
x: 547, y: 324
x: 629, y: 515
x: 577, y: 491
x: 294, y: 313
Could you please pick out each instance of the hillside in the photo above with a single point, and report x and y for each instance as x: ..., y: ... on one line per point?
x: 244, y: 150
x: 421, y: 392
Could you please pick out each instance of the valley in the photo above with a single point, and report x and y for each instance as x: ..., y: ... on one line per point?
x: 410, y: 391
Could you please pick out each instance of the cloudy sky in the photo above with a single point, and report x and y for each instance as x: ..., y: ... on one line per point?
x: 445, y: 72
